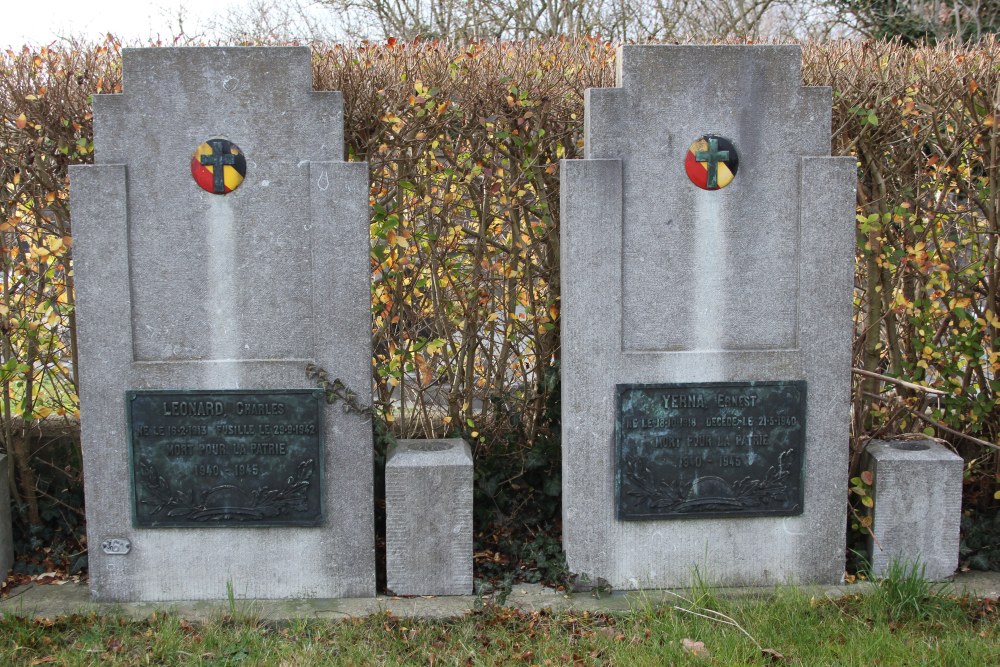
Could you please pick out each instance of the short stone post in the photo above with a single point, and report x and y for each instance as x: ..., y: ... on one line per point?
x: 918, y: 506
x: 428, y: 517
x: 6, y: 536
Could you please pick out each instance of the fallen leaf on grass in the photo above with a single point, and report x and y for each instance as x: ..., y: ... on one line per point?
x: 771, y: 655
x: 695, y: 648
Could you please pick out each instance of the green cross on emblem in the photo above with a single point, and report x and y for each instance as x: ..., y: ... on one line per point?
x: 713, y: 156
x: 218, y: 159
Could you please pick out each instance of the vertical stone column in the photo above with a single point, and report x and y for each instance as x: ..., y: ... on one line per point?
x: 6, y: 537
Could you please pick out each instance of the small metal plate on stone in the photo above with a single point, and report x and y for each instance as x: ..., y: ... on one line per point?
x: 712, y: 162
x: 728, y: 449
x: 116, y: 546
x: 226, y: 458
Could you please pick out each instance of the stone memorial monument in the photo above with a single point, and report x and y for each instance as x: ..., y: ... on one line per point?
x: 707, y: 257
x: 221, y: 245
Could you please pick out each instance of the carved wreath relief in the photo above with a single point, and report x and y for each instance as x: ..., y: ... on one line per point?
x: 225, y: 502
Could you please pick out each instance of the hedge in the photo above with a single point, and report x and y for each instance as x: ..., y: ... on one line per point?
x: 464, y: 144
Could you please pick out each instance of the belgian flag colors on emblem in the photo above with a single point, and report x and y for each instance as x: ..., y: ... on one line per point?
x: 712, y: 162
x: 218, y: 166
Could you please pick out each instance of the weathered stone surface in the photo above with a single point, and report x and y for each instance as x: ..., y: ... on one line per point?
x: 179, y: 288
x: 6, y: 537
x: 918, y: 506
x: 428, y: 517
x: 664, y: 282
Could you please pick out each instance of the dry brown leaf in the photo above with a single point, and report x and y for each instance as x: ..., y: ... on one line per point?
x: 772, y: 655
x: 695, y: 648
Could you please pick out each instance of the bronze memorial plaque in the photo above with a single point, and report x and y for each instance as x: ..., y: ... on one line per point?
x: 715, y: 449
x: 226, y: 458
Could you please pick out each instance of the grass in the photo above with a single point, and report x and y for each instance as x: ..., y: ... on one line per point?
x: 786, y: 627
x: 904, y: 593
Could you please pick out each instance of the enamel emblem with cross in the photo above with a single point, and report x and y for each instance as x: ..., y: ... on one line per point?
x: 712, y: 162
x: 218, y: 166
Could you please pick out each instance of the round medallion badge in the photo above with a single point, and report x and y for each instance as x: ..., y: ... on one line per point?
x: 712, y: 162
x: 218, y: 166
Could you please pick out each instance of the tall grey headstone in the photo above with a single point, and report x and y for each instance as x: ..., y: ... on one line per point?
x: 428, y: 517
x: 713, y: 325
x: 6, y: 535
x: 183, y: 290
x: 917, y: 515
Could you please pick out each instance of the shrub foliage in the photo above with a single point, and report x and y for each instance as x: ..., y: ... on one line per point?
x: 464, y: 144
x: 922, y: 123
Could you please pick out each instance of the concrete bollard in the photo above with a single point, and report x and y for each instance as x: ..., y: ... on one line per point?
x: 918, y: 506
x: 428, y: 517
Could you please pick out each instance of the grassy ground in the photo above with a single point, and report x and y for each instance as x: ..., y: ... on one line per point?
x: 903, y: 623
